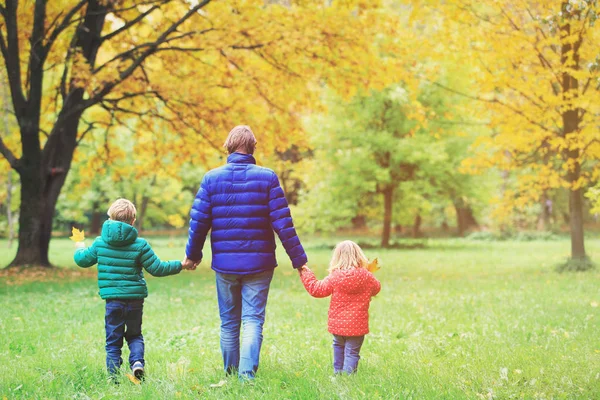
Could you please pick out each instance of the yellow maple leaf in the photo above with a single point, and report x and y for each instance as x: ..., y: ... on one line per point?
x: 374, y: 265
x: 133, y: 379
x: 78, y: 236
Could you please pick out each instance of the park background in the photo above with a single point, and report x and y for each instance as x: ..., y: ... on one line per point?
x: 456, y: 141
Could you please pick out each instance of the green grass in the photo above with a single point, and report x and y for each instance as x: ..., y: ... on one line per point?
x: 455, y: 320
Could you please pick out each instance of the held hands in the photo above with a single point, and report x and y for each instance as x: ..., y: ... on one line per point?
x: 189, y: 264
x: 303, y: 269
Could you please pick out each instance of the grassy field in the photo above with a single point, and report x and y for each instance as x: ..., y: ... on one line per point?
x: 455, y: 320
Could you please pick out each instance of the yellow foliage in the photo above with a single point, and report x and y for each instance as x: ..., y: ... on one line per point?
x: 176, y: 221
x: 521, y: 54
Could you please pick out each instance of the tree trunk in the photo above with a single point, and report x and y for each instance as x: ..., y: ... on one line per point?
x: 9, y: 214
x: 445, y: 227
x: 42, y: 178
x: 96, y: 223
x: 144, y: 206
x: 544, y: 217
x: 142, y: 213
x: 465, y: 219
x: 30, y: 249
x: 9, y: 184
x: 571, y: 116
x: 359, y: 222
x: 416, y: 229
x: 388, y: 202
x: 577, y: 233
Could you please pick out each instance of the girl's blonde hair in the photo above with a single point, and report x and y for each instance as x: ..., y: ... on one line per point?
x: 347, y: 255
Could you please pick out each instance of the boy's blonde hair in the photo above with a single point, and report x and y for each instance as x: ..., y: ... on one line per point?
x: 122, y: 210
x: 347, y: 255
x: 241, y: 138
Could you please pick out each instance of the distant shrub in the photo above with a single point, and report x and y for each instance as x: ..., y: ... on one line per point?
x: 483, y: 236
x: 525, y: 236
x: 398, y: 245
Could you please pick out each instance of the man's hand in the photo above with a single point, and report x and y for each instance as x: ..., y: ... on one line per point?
x: 189, y: 264
x: 302, y: 269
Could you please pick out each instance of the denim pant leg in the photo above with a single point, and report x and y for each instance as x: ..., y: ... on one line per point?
x: 230, y: 309
x: 352, y: 353
x: 133, y: 333
x: 339, y: 345
x: 114, y: 324
x: 255, y: 291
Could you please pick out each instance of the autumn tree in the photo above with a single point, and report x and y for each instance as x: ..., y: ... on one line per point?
x: 537, y: 72
x: 79, y: 66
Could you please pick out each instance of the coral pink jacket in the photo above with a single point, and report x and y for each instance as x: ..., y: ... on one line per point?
x: 351, y: 291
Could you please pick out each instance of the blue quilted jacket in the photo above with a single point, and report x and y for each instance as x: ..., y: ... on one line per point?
x: 243, y: 204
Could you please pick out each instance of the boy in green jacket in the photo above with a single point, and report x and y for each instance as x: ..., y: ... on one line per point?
x: 121, y: 255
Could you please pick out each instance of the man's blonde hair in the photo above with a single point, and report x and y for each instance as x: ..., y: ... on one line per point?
x: 347, y: 255
x: 241, y: 138
x: 122, y: 210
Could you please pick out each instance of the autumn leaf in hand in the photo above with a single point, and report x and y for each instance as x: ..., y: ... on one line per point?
x: 374, y: 265
x: 78, y: 236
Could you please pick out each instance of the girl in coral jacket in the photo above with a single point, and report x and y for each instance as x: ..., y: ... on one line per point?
x: 351, y: 287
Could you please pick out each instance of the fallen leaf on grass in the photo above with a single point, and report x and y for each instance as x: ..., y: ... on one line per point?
x: 594, y: 304
x: 133, y: 379
x: 218, y: 385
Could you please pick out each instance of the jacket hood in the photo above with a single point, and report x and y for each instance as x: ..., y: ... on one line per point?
x: 351, y: 280
x: 239, y: 158
x: 116, y: 233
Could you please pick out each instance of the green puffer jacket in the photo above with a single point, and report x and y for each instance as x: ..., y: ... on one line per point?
x: 121, y: 255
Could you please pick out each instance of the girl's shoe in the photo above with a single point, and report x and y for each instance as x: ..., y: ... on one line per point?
x: 138, y: 370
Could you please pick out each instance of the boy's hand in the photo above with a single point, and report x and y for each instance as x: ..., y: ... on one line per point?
x: 189, y: 264
x: 80, y: 245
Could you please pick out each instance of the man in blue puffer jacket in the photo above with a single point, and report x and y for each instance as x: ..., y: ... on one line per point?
x: 243, y: 204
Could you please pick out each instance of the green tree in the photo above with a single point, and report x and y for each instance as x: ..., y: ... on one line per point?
x: 382, y: 150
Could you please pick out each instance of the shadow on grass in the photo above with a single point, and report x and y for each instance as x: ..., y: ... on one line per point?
x: 22, y: 275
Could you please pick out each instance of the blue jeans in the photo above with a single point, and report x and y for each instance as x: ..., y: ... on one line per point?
x: 242, y: 303
x: 346, y: 351
x: 123, y: 319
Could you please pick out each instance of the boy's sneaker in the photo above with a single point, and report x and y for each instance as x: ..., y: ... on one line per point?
x: 138, y: 370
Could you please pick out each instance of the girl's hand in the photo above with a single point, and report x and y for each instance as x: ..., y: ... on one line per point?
x: 302, y: 269
x: 80, y: 245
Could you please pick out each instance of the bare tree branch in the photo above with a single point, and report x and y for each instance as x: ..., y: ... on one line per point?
x: 37, y: 57
x: 66, y: 21
x: 10, y: 53
x: 496, y: 101
x: 91, y: 126
x: 131, y: 53
x: 134, y: 21
x: 10, y: 157
x: 140, y: 59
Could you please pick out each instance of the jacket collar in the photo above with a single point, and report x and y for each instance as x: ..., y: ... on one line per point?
x: 239, y: 158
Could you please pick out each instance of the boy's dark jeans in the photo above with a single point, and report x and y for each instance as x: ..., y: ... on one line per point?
x: 123, y: 319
